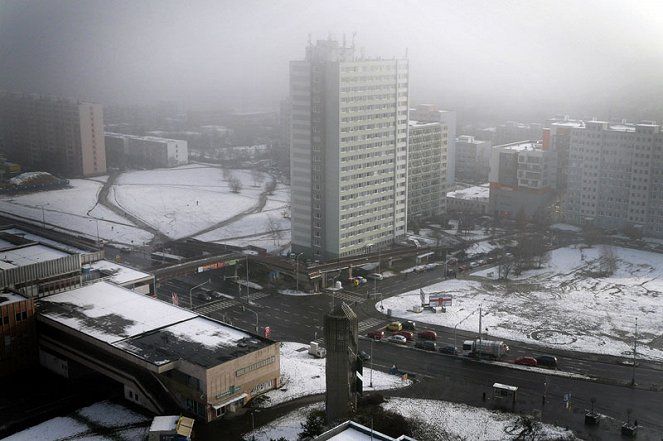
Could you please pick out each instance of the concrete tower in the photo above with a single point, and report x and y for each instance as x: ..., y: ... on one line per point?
x: 341, y: 343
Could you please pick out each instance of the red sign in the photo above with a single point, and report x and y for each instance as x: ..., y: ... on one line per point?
x: 439, y: 299
x: 267, y: 331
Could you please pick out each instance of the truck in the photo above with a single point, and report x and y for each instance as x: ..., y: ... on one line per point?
x: 485, y: 348
x: 316, y: 350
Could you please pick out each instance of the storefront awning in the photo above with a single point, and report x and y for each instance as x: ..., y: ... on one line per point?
x: 232, y: 400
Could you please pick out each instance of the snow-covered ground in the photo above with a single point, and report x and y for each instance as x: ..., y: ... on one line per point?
x: 305, y: 375
x: 565, y: 304
x: 440, y: 420
x: 184, y: 200
x: 100, y: 421
x: 470, y: 235
x: 443, y: 420
x: 74, y: 209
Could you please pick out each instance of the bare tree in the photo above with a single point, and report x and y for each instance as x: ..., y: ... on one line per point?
x: 270, y: 186
x: 235, y: 184
x: 226, y: 173
x: 274, y: 229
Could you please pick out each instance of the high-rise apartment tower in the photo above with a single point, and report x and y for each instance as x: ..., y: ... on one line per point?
x: 348, y: 151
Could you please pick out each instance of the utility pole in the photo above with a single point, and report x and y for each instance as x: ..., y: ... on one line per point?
x: 297, y: 271
x: 480, y: 334
x: 635, y: 350
x: 372, y: 361
x: 247, y: 280
x: 43, y: 218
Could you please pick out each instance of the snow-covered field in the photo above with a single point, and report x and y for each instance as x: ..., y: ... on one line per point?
x: 305, y: 375
x: 444, y: 420
x: 435, y: 419
x: 566, y: 304
x: 74, y: 209
x: 184, y: 200
x: 100, y: 421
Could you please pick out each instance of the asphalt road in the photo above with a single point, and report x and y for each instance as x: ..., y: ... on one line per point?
x: 438, y: 376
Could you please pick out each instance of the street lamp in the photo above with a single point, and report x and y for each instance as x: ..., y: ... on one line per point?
x: 635, y: 350
x: 372, y: 361
x: 244, y: 308
x: 191, y: 292
x: 456, y: 327
x: 297, y: 271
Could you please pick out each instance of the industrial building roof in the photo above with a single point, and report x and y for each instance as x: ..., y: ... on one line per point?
x: 147, y: 328
x: 28, y: 255
x: 10, y: 297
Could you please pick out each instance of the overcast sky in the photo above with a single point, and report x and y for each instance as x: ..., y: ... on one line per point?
x: 565, y: 56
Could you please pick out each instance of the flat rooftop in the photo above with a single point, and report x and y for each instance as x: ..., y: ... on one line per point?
x: 28, y: 255
x: 31, y: 237
x: 116, y: 273
x: 10, y: 297
x: 147, y: 328
x: 521, y: 146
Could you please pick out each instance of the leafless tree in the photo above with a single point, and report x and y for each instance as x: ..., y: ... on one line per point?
x: 274, y: 229
x: 235, y: 184
x: 270, y: 186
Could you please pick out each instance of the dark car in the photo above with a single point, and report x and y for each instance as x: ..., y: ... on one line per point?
x: 409, y: 325
x: 364, y: 356
x: 426, y: 345
x: 376, y: 335
x: 526, y: 361
x: 451, y: 350
x: 427, y: 335
x: 547, y: 361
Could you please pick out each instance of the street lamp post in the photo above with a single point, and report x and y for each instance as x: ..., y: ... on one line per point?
x: 456, y: 327
x: 244, y: 308
x: 297, y: 271
x: 372, y: 361
x: 635, y: 350
x: 191, y: 292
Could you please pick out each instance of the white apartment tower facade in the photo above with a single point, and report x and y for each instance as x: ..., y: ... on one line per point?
x: 348, y: 151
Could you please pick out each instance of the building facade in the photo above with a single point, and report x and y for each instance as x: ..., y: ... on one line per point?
x: 129, y: 151
x: 426, y: 170
x: 57, y: 135
x: 348, y: 153
x: 523, y: 179
x: 447, y: 119
x: 17, y: 326
x: 615, y: 176
x: 469, y: 200
x: 472, y: 160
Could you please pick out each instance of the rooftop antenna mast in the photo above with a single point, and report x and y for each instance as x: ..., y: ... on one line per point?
x: 354, y: 34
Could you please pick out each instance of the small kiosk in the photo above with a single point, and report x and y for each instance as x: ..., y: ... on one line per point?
x: 505, y: 395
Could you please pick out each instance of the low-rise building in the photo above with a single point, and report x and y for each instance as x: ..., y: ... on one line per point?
x: 168, y: 359
x: 124, y: 151
x: 469, y: 200
x: 17, y: 332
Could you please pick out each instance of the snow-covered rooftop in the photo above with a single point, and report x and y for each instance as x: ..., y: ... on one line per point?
x: 10, y: 297
x: 478, y: 192
x: 521, y: 146
x: 164, y: 423
x: 150, y: 329
x: 119, y: 274
x: 28, y: 255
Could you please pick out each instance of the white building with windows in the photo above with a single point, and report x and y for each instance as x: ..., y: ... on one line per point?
x: 348, y: 151
x: 615, y: 176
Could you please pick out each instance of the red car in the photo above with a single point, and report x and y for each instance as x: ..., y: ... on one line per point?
x: 407, y: 334
x: 427, y: 335
x: 376, y: 335
x: 526, y: 361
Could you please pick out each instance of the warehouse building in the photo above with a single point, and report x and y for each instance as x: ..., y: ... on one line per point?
x: 129, y: 151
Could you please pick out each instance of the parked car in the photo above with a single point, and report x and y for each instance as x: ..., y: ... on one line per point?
x: 450, y: 349
x: 409, y: 325
x: 427, y: 335
x: 426, y: 345
x: 364, y: 356
x: 375, y: 276
x: 216, y: 294
x: 526, y: 361
x: 204, y: 296
x: 376, y: 335
x: 407, y: 334
x: 395, y: 326
x: 398, y: 339
x: 547, y: 361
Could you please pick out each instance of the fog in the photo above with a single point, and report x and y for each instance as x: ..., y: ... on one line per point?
x: 509, y: 58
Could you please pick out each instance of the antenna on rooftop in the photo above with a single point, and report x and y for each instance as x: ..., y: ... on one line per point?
x: 354, y: 34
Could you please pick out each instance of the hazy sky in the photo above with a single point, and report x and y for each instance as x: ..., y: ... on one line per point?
x: 561, y: 55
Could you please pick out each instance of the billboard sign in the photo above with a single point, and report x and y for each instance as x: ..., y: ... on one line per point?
x: 439, y: 299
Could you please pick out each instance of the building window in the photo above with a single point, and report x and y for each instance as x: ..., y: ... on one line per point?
x: 254, y: 366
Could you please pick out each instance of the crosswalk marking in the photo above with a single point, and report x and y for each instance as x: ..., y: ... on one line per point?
x: 216, y: 306
x: 258, y: 295
x: 369, y: 323
x: 348, y: 297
